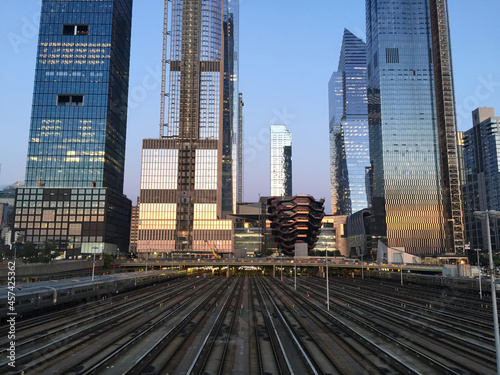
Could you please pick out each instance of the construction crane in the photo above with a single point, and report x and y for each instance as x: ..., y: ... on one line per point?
x: 213, y: 251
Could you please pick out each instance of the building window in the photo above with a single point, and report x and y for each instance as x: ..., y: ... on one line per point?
x: 392, y: 55
x: 49, y: 215
x: 69, y: 100
x: 75, y: 29
x: 75, y: 229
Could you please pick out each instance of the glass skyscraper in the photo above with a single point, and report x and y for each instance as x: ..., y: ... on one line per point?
x: 189, y: 178
x: 349, y: 144
x: 416, y: 194
x: 482, y: 177
x: 240, y: 148
x: 281, y: 161
x: 76, y: 154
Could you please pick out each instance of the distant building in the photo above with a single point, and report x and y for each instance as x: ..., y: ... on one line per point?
x: 8, y: 194
x: 7, y: 201
x: 4, y: 209
x: 482, y: 177
x: 339, y: 224
x: 361, y: 241
x: 281, y: 161
x: 416, y: 195
x: 76, y: 155
x: 349, y: 144
x: 249, y: 229
x: 134, y: 228
x: 327, y: 239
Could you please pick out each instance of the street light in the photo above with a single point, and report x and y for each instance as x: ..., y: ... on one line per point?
x: 362, y: 267
x: 93, y: 263
x: 401, y: 266
x: 281, y: 264
x: 402, y: 274
x: 495, y: 215
x: 479, y: 269
x: 295, y: 273
x: 327, y: 286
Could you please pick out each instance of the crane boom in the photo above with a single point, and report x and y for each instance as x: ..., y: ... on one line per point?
x: 210, y: 247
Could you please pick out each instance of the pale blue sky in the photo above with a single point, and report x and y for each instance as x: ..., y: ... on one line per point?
x: 288, y: 50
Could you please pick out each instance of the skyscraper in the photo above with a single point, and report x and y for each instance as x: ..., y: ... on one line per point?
x: 349, y: 145
x: 482, y: 176
x: 281, y: 161
x: 189, y: 178
x: 240, y: 149
x: 75, y: 167
x: 416, y: 186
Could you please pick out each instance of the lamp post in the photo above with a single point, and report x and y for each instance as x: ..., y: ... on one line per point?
x: 295, y: 273
x: 495, y: 215
x: 402, y: 274
x: 327, y: 286
x: 479, y: 270
x: 362, y: 267
x: 281, y: 265
x: 401, y: 267
x: 93, y: 263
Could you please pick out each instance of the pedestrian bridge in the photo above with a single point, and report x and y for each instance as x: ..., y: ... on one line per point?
x: 280, y: 262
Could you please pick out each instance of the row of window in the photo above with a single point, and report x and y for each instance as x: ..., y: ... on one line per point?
x: 34, y: 237
x: 70, y: 100
x: 59, y: 211
x: 73, y: 191
x: 21, y: 221
x: 71, y: 29
x: 46, y: 204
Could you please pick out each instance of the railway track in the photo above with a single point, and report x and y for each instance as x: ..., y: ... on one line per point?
x: 458, y: 353
x: 257, y: 325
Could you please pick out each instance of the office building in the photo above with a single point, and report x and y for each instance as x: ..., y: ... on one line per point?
x: 73, y: 192
x: 281, y: 161
x: 349, y: 144
x: 360, y: 240
x: 327, y: 240
x: 482, y: 177
x: 8, y: 193
x: 416, y: 195
x: 189, y: 175
x: 134, y: 228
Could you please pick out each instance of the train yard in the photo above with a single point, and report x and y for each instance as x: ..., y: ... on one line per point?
x: 262, y: 325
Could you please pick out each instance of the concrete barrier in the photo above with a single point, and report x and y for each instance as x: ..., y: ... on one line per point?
x: 41, y: 269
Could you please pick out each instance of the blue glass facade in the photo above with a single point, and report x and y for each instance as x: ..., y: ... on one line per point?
x: 230, y: 155
x: 76, y: 155
x: 415, y: 190
x: 78, y: 121
x: 482, y: 177
x: 349, y: 143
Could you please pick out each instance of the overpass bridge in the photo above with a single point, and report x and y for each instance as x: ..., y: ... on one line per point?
x: 268, y: 265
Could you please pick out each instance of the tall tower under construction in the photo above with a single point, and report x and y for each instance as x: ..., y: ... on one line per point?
x: 189, y: 175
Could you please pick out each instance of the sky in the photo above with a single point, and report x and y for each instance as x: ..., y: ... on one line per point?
x: 288, y: 51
